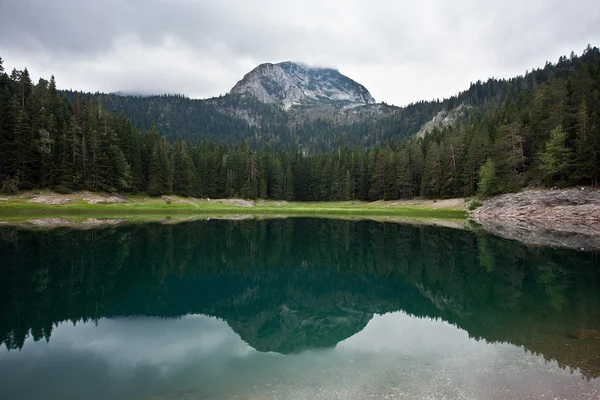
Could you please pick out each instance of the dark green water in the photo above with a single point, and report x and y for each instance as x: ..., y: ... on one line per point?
x: 293, y: 309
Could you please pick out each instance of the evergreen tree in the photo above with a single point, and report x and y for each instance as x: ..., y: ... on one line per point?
x: 487, y: 179
x: 556, y: 159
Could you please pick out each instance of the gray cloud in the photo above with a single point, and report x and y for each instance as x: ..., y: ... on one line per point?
x: 401, y: 51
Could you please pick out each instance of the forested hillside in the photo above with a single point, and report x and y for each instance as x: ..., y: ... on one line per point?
x: 234, y: 119
x: 540, y: 128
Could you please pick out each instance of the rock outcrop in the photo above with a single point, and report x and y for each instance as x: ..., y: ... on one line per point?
x: 289, y: 84
x: 444, y: 119
x: 558, y: 218
x: 577, y: 204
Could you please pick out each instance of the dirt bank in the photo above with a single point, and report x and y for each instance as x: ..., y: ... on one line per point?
x: 92, y: 198
x: 235, y: 202
x: 54, y: 200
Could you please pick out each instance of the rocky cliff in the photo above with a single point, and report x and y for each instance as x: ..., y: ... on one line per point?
x: 289, y: 84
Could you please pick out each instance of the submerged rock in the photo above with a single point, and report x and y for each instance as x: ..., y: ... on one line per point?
x: 585, y: 334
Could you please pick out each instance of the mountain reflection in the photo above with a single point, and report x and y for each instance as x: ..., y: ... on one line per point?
x: 290, y: 285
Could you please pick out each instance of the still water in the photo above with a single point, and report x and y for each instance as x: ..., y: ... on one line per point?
x: 293, y: 309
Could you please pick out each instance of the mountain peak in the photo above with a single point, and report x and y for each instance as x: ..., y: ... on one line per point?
x: 292, y: 83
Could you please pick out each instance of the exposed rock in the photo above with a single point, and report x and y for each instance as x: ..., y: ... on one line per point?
x: 235, y: 202
x: 457, y: 203
x: 53, y: 200
x: 289, y: 84
x: 557, y: 218
x: 579, y: 204
x: 95, y: 199
x: 444, y: 119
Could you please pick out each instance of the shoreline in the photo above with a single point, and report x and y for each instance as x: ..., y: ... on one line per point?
x: 560, y: 218
x: 33, y: 204
x: 566, y: 218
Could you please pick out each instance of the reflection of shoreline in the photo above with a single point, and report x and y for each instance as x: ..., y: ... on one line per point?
x: 81, y: 223
x: 576, y: 235
x: 563, y: 234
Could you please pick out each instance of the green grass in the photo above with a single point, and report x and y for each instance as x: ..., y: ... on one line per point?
x: 20, y: 209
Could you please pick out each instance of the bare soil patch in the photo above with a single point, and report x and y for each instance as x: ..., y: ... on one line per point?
x: 178, y: 200
x: 96, y: 199
x: 234, y: 202
x: 52, y: 200
x: 457, y: 203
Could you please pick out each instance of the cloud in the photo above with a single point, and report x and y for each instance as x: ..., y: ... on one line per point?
x: 401, y: 51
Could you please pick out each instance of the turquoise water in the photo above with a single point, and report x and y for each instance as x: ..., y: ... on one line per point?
x: 293, y: 309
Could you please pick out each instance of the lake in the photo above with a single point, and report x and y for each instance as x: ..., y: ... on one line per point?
x: 294, y: 309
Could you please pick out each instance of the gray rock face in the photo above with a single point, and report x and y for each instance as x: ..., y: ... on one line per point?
x: 289, y: 84
x: 444, y: 119
x: 567, y: 218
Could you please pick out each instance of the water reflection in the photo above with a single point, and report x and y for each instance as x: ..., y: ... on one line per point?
x: 198, y: 357
x: 289, y: 307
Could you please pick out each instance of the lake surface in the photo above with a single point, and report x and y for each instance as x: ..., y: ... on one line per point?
x: 293, y: 309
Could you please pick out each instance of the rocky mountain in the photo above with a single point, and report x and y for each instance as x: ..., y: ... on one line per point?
x: 444, y: 119
x: 285, y: 105
x: 291, y: 84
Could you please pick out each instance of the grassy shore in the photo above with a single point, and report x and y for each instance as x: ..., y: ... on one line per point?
x: 23, y: 207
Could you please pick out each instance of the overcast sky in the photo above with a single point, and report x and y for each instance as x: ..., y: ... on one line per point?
x: 402, y: 51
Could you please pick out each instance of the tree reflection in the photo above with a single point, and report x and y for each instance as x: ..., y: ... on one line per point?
x: 293, y: 284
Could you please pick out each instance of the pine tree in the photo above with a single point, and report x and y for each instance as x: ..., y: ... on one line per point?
x: 404, y: 174
x: 509, y: 157
x: 587, y: 144
x: 556, y: 159
x: 487, y: 179
x: 156, y: 178
x: 433, y: 174
x: 184, y: 177
x: 277, y: 187
x: 348, y: 191
x: 251, y: 184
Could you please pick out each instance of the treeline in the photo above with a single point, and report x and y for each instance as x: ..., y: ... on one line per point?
x: 234, y: 119
x: 543, y: 133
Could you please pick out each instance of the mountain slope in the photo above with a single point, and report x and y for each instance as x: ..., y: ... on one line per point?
x: 289, y: 84
x: 292, y: 106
